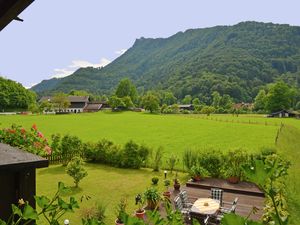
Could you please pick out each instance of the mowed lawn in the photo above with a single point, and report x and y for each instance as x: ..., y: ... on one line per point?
x: 174, y: 132
x: 106, y: 185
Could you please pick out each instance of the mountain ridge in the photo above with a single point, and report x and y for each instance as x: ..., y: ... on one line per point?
x: 234, y: 60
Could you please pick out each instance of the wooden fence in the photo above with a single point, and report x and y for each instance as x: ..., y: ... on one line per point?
x: 62, y: 158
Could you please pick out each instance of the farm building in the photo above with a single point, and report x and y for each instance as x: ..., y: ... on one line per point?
x: 244, y: 106
x: 186, y: 107
x: 78, y: 104
x: 285, y: 114
x: 17, y: 174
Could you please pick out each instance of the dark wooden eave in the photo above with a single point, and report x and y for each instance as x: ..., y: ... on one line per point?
x: 10, y: 9
x: 14, y: 158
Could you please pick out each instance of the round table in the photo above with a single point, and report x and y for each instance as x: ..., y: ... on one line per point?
x: 206, y: 206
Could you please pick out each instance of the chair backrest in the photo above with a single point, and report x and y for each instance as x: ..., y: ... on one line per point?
x: 217, y: 194
x: 233, y: 208
x: 184, y: 197
x: 235, y: 201
x: 178, y: 203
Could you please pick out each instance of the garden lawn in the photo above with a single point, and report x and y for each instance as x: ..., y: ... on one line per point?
x: 103, y: 184
x: 289, y: 146
x: 175, y: 133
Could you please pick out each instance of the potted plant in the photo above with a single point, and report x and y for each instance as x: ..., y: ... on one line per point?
x: 176, y: 183
x: 153, y: 197
x: 140, y: 212
x: 233, y: 176
x: 233, y: 171
x: 154, y: 180
x: 198, y: 172
x: 167, y: 193
x: 121, y: 212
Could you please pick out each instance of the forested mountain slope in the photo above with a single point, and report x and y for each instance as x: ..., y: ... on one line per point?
x: 235, y: 60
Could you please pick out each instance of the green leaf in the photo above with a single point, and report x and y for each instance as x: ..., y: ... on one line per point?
x: 62, y: 204
x: 2, y: 222
x: 16, y: 210
x: 29, y: 213
x: 42, y: 201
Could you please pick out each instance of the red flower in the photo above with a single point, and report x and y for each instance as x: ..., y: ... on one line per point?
x: 48, y: 150
x: 12, y: 131
x: 40, y: 134
x: 37, y: 144
x: 34, y: 127
x: 23, y: 131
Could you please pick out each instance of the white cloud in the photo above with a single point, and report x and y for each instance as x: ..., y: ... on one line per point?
x: 76, y: 64
x: 121, y: 51
x: 30, y: 85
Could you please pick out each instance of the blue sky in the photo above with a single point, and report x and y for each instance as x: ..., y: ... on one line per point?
x: 59, y: 36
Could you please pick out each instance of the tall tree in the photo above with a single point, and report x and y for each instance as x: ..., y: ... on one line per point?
x: 279, y: 97
x: 126, y: 88
x: 61, y: 101
x: 260, y: 100
x: 216, y: 98
x: 187, y: 99
x: 150, y: 102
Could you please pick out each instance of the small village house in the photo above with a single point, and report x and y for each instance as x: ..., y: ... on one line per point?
x: 285, y: 114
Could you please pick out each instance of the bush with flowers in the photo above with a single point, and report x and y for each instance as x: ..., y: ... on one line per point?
x: 30, y: 140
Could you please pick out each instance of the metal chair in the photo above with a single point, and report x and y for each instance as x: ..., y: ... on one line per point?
x: 180, y: 207
x: 184, y: 199
x: 221, y: 214
x: 217, y: 194
x: 229, y: 210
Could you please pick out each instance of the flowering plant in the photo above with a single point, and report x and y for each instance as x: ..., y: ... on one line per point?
x: 30, y: 140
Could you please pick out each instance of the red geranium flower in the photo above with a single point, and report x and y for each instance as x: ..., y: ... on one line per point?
x: 40, y: 134
x: 34, y: 127
x: 23, y: 131
x: 48, y: 150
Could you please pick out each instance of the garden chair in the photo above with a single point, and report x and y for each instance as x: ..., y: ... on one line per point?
x: 220, y: 215
x: 184, y: 199
x: 217, y: 194
x: 180, y: 207
x: 228, y: 210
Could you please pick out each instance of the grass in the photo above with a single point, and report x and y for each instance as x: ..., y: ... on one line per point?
x: 103, y: 184
x: 175, y: 133
x: 288, y: 144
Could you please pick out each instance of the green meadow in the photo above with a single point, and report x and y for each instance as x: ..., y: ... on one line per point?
x: 175, y: 133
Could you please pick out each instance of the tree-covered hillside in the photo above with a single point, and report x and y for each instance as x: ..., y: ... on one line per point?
x: 14, y: 96
x: 236, y: 60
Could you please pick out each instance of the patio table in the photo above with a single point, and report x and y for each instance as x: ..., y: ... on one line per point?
x: 205, y: 206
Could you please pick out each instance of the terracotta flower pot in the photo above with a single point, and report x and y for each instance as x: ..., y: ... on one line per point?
x: 141, y: 214
x: 233, y: 180
x: 167, y: 194
x: 176, y: 186
x: 196, y: 178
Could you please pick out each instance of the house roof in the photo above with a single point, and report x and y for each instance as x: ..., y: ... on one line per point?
x: 185, y: 106
x: 71, y: 98
x: 93, y: 106
x: 14, y: 158
x: 10, y: 9
x: 286, y: 111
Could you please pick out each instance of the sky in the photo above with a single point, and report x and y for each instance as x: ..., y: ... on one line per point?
x: 59, y: 36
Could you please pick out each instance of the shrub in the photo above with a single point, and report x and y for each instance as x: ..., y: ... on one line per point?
x: 172, y: 161
x: 233, y: 162
x: 29, y: 140
x: 212, y: 161
x: 121, y: 210
x: 69, y: 147
x: 76, y: 170
x: 133, y: 156
x: 96, y: 212
x: 198, y: 171
x: 189, y: 159
x: 157, y: 159
x: 155, y: 180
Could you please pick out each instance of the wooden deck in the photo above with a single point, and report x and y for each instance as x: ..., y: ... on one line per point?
x: 249, y: 197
